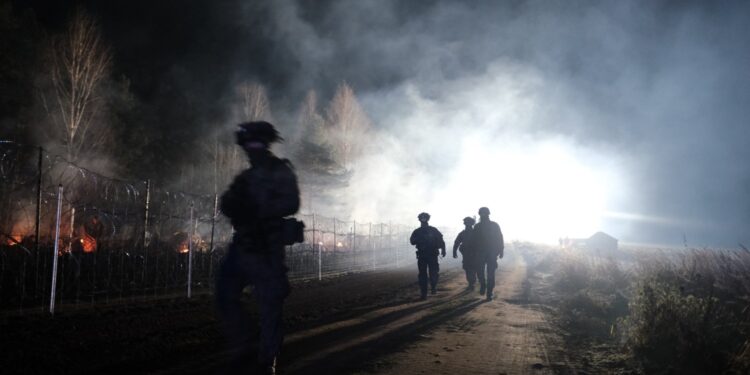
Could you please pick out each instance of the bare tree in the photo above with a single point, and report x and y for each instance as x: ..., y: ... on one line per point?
x: 311, y: 123
x: 80, y: 62
x: 348, y: 125
x: 229, y: 160
x: 254, y: 102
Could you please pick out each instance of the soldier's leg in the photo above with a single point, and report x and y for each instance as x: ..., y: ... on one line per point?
x: 270, y: 303
x: 422, y: 267
x: 472, y: 277
x: 480, y: 275
x: 231, y: 279
x: 271, y: 288
x: 434, y: 273
x: 491, y: 267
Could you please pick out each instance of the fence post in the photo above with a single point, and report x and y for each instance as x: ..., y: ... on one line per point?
x: 320, y: 255
x: 146, y: 213
x: 369, y: 243
x: 190, y: 254
x: 335, y: 244
x: 390, y: 241
x: 54, y: 253
x: 38, y: 221
x: 213, y: 223
x: 211, y: 244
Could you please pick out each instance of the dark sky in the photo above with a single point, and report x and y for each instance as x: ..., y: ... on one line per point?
x: 661, y: 86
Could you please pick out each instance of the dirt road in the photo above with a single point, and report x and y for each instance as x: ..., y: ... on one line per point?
x: 360, y: 323
x: 455, y: 332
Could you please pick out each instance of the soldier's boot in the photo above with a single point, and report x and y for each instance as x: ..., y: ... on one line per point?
x: 489, y: 294
x: 481, y: 290
x: 269, y: 368
x: 433, y: 291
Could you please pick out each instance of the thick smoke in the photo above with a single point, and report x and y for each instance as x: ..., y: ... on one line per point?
x: 564, y: 117
x: 649, y: 96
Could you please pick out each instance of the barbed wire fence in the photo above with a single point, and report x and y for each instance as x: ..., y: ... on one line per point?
x: 71, y: 237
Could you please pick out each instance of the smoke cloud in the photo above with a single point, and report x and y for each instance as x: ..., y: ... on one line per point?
x: 563, y: 117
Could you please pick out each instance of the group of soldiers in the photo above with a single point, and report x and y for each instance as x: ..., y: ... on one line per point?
x: 480, y: 244
x: 258, y: 203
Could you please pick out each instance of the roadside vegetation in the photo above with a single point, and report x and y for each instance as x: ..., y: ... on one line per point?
x: 683, y: 311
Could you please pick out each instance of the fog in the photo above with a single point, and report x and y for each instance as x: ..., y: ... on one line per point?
x: 564, y: 118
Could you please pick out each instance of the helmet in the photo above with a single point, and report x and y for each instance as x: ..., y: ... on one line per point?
x: 484, y: 211
x: 259, y: 131
x: 469, y: 220
x: 423, y: 216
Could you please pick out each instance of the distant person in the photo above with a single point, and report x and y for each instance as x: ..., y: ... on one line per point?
x: 463, y: 244
x: 429, y: 243
x: 488, y: 240
x: 256, y: 203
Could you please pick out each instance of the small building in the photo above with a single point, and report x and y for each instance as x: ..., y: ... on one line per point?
x: 601, y: 242
x: 598, y: 242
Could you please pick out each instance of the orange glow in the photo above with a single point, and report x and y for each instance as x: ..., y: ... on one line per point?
x: 88, y: 243
x: 183, y: 249
x: 14, y: 239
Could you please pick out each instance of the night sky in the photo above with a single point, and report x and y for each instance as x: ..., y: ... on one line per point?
x: 654, y: 94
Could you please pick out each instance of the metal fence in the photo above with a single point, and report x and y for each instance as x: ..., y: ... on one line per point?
x: 69, y: 236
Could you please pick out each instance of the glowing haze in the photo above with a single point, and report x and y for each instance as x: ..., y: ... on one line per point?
x: 563, y: 117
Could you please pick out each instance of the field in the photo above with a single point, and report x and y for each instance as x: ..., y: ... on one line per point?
x: 556, y: 312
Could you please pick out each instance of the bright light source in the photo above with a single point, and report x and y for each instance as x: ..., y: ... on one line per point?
x: 537, y: 191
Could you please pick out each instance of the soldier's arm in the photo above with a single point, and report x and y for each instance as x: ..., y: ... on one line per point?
x: 501, y: 242
x: 441, y: 242
x: 283, y: 198
x: 413, y: 238
x: 457, y: 243
x: 233, y: 202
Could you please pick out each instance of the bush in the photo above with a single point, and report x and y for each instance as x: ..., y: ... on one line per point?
x: 690, y: 316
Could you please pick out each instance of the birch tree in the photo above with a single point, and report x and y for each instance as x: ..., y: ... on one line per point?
x: 348, y: 125
x: 254, y: 104
x: 79, y: 64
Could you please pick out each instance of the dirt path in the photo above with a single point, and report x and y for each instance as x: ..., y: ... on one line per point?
x: 504, y: 336
x: 361, y: 323
x: 453, y: 332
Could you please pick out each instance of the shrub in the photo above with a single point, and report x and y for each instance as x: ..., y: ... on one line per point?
x: 689, y: 315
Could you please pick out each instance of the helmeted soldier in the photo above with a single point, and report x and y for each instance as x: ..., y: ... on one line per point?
x: 429, y: 243
x: 256, y: 203
x: 463, y: 243
x: 488, y: 240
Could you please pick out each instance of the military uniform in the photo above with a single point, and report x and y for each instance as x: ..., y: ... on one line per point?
x: 256, y: 202
x: 428, y: 241
x: 488, y: 239
x: 469, y: 259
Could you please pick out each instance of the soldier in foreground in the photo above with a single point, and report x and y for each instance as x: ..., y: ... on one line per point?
x: 256, y: 203
x: 468, y: 252
x: 429, y: 243
x: 488, y: 241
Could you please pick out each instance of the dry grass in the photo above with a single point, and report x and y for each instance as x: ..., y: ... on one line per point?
x: 681, y: 312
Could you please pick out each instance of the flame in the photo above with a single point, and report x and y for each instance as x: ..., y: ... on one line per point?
x: 183, y: 249
x: 339, y: 244
x: 13, y: 240
x: 88, y: 243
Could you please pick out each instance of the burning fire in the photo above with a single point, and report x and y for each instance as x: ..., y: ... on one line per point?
x: 88, y: 243
x: 13, y: 239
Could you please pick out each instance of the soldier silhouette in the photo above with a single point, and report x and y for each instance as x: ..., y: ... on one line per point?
x: 463, y: 243
x: 256, y: 203
x: 488, y: 240
x: 429, y: 242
